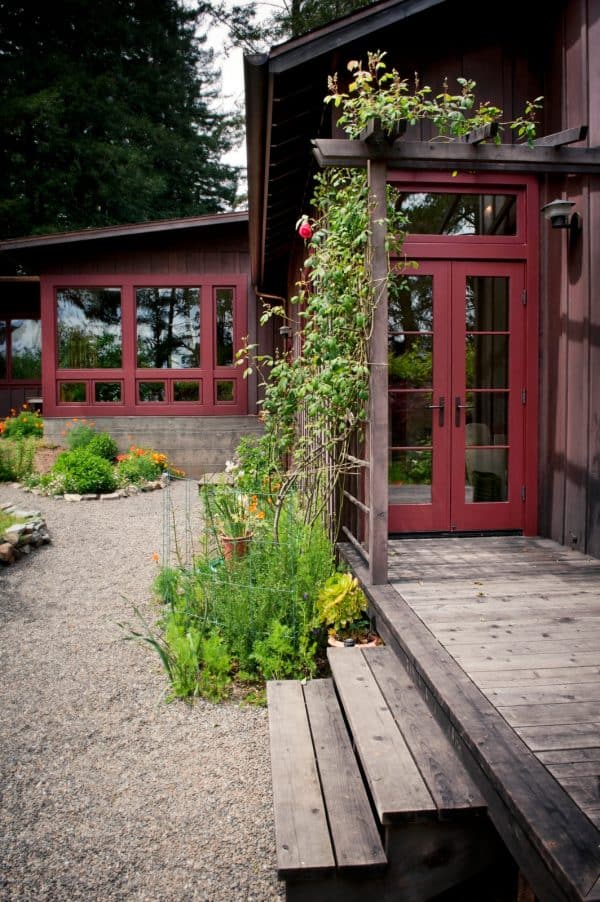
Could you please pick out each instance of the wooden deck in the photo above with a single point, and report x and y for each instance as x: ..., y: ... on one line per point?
x: 503, y: 635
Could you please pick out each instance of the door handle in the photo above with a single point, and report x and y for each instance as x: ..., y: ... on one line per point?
x: 441, y: 407
x: 457, y: 409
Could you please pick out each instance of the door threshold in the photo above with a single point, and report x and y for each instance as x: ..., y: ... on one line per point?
x: 456, y: 534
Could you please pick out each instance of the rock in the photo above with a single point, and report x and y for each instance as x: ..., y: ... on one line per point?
x: 27, y: 515
x: 113, y: 496
x: 7, y: 553
x: 6, y: 506
x: 89, y: 497
x: 68, y: 496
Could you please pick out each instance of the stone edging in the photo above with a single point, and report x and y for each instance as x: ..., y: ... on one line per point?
x: 110, y: 496
x: 20, y: 538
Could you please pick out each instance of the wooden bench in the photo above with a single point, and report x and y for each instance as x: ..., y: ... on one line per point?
x: 394, y: 784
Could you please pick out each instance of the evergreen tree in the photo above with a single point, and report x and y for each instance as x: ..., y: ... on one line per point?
x: 288, y: 19
x: 106, y: 116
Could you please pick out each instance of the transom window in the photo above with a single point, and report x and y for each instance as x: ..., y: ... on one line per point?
x: 443, y: 213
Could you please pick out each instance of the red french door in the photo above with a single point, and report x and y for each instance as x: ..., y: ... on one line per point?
x: 457, y: 400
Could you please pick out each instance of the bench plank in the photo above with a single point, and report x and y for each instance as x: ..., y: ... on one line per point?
x: 301, y: 832
x: 356, y: 840
x: 397, y: 787
x: 449, y: 784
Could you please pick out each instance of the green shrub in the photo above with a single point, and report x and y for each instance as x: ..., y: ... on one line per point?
x: 104, y: 445
x: 78, y: 434
x: 16, y: 459
x: 84, y: 472
x: 25, y: 424
x: 137, y: 469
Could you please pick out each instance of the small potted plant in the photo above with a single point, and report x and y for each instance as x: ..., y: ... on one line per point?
x: 235, y: 516
x: 342, y: 608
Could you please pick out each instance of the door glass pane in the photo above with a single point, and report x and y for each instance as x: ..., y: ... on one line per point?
x: 487, y: 303
x: 410, y: 477
x: 486, y: 475
x: 168, y: 328
x: 441, y: 213
x: 486, y: 361
x: 487, y: 418
x: 26, y: 349
x: 224, y: 301
x: 410, y: 304
x: 89, y: 328
x: 410, y: 360
x: 410, y: 418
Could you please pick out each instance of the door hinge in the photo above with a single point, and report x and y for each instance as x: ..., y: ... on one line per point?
x: 524, y: 297
x: 523, y: 493
x: 523, y: 396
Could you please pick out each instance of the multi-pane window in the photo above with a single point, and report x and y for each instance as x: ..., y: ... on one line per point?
x: 20, y: 349
x: 159, y: 347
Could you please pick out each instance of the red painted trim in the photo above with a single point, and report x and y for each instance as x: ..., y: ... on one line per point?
x: 130, y: 375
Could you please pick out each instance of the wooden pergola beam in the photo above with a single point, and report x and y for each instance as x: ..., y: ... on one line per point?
x: 559, y: 139
x: 455, y: 155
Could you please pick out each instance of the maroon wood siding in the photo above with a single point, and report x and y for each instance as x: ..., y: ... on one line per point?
x: 570, y: 303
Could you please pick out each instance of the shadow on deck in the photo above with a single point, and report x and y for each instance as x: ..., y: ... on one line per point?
x: 502, y: 637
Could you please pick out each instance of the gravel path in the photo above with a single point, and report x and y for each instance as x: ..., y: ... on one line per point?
x: 107, y: 792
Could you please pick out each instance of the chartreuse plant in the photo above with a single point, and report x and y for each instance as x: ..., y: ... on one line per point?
x: 315, y: 401
x: 340, y: 602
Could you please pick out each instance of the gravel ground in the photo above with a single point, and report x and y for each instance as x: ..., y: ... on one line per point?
x: 107, y: 792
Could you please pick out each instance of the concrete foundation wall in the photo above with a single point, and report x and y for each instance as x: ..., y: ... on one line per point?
x: 196, y: 445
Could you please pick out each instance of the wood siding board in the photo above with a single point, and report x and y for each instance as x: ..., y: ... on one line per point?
x: 593, y: 230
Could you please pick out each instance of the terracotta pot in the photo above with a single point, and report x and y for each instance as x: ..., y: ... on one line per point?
x: 234, y: 546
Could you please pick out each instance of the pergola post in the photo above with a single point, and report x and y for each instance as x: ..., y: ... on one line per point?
x: 377, y: 431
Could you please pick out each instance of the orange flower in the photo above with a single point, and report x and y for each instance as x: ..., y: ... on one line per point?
x: 155, y: 556
x: 260, y: 515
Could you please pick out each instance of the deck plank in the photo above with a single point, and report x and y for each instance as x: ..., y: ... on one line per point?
x: 451, y: 788
x: 354, y: 833
x: 397, y: 787
x: 301, y: 831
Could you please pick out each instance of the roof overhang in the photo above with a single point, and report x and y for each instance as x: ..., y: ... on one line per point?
x: 31, y: 242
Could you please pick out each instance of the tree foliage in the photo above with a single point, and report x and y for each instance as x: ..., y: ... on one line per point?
x: 106, y: 114
x: 254, y: 32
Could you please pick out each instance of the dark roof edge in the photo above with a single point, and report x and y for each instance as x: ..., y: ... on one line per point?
x: 349, y: 28
x: 138, y: 228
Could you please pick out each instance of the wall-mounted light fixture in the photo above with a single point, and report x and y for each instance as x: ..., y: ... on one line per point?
x: 286, y: 331
x: 558, y: 212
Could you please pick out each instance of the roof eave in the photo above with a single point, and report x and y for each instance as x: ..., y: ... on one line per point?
x: 32, y: 242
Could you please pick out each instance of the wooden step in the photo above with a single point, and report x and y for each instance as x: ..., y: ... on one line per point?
x: 410, y: 766
x: 324, y: 823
